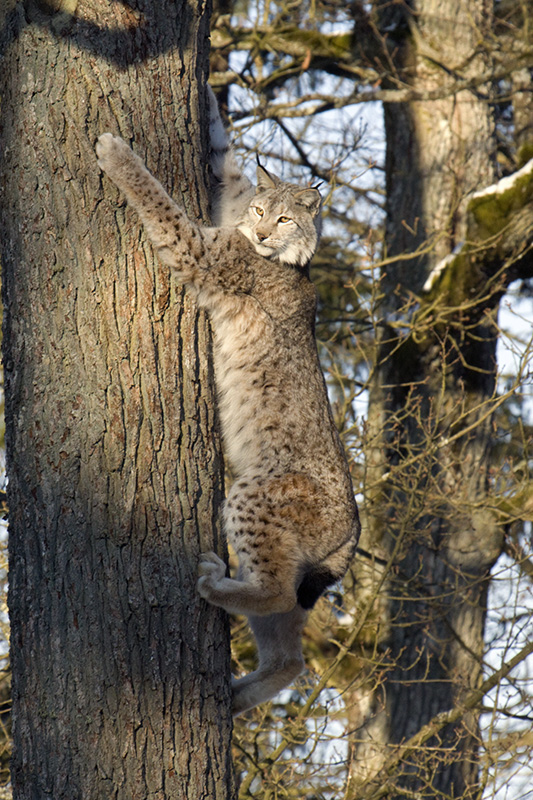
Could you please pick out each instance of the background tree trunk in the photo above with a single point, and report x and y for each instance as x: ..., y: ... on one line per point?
x: 428, y: 407
x: 120, y: 671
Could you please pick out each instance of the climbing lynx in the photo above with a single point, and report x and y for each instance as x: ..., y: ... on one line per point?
x: 290, y: 514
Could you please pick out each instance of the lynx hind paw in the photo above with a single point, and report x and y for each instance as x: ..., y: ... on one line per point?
x: 211, y: 565
x: 111, y: 151
x: 211, y: 570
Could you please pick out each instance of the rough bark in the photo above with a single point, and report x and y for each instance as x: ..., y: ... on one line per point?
x: 429, y: 407
x: 120, y: 671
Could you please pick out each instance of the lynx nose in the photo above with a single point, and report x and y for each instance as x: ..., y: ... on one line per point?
x: 261, y: 236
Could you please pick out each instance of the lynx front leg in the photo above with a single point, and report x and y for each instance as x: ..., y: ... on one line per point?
x: 177, y: 239
x: 258, y: 597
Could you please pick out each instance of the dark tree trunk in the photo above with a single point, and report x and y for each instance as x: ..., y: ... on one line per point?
x: 120, y: 671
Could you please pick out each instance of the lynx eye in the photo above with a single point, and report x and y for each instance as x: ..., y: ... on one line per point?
x: 284, y: 219
x: 259, y: 211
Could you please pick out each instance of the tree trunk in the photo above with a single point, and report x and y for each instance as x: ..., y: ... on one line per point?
x: 120, y: 671
x: 428, y: 409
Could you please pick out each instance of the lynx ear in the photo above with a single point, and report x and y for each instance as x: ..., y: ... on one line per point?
x: 264, y: 179
x: 310, y: 198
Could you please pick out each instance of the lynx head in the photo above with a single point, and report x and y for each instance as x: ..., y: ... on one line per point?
x: 282, y: 220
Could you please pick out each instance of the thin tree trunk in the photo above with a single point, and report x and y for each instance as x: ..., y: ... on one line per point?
x: 120, y: 671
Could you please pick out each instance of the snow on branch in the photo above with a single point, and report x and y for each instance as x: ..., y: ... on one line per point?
x: 499, y: 222
x: 505, y: 184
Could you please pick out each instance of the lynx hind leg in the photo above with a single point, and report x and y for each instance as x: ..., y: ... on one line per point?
x: 262, y: 593
x: 279, y: 644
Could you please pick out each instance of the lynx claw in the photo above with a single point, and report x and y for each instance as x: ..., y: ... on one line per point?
x: 211, y: 564
x: 211, y: 570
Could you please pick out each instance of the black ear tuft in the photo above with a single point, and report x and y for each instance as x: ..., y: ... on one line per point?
x: 265, y: 179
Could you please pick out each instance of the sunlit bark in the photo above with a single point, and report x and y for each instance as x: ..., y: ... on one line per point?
x: 120, y: 671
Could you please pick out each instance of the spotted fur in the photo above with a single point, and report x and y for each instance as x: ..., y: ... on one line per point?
x: 290, y: 514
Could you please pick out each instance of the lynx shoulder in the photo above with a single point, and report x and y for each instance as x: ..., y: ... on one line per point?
x: 290, y: 513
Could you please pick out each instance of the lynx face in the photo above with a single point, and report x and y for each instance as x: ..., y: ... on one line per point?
x: 282, y: 220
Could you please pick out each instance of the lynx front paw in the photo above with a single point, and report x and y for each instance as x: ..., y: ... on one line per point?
x: 113, y: 153
x: 211, y: 570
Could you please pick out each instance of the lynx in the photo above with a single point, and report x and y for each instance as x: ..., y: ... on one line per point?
x: 290, y: 514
